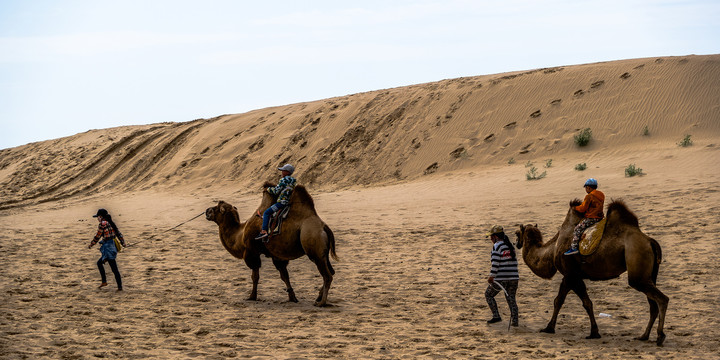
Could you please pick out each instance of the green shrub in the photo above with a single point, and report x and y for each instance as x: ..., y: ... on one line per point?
x: 548, y: 163
x: 580, y: 167
x: 646, y: 131
x: 583, y: 137
x: 511, y: 161
x: 533, y: 175
x: 528, y: 164
x: 685, y: 142
x: 631, y: 170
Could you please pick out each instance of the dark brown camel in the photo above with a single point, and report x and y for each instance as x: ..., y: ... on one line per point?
x: 623, y: 248
x: 303, y: 233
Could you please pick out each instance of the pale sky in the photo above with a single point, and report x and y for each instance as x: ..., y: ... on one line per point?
x: 70, y: 66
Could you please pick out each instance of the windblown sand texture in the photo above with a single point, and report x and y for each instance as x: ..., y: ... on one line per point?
x: 410, y: 179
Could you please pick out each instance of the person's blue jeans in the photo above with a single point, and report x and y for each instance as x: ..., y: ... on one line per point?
x: 268, y: 213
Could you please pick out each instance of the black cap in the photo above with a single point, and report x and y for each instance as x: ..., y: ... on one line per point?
x: 101, y: 212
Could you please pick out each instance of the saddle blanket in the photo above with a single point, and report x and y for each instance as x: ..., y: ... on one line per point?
x: 591, y: 238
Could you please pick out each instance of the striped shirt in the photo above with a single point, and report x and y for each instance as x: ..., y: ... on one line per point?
x: 503, y: 266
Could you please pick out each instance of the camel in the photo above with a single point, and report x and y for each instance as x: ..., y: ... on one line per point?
x: 623, y: 248
x: 302, y: 233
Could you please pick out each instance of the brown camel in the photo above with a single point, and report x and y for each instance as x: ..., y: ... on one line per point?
x: 302, y: 233
x: 623, y: 248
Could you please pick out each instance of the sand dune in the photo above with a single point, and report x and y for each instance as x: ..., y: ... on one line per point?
x: 409, y: 179
x: 390, y: 135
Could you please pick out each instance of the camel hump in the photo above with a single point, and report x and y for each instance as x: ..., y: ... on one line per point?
x: 302, y: 196
x: 617, y: 210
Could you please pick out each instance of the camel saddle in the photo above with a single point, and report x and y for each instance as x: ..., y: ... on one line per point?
x: 591, y: 238
x: 276, y: 221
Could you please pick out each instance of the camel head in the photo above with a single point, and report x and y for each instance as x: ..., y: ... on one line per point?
x: 573, y: 217
x: 222, y: 214
x: 528, y: 234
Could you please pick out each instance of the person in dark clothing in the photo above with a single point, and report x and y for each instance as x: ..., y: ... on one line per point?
x: 106, y: 234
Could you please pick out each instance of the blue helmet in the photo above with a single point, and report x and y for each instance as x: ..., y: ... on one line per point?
x: 591, y: 182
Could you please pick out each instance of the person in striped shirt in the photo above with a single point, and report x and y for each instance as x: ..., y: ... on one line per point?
x: 107, y: 231
x: 503, y: 271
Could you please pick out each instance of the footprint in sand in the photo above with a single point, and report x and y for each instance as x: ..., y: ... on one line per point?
x: 457, y: 153
x: 597, y: 84
x: 579, y: 93
x: 625, y: 75
x: 535, y: 114
x: 431, y: 169
x: 556, y: 102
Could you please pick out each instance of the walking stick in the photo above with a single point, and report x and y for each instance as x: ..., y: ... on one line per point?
x: 507, y: 295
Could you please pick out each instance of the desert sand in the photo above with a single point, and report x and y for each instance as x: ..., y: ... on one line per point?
x: 410, y: 179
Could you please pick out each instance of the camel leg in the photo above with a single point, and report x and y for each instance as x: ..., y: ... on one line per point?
x: 581, y: 291
x: 559, y: 301
x: 662, y: 301
x: 255, y: 280
x: 322, y: 266
x: 658, y: 306
x: 282, y: 268
x: 653, y: 316
x: 642, y: 276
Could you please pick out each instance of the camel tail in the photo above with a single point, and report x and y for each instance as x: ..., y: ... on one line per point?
x: 657, y: 250
x: 331, y: 239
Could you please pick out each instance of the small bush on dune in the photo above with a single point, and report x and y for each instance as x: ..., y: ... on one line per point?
x: 528, y: 164
x: 646, y: 131
x: 548, y: 163
x: 580, y: 167
x: 631, y: 170
x: 685, y: 142
x: 583, y: 137
x: 533, y: 175
x: 511, y: 161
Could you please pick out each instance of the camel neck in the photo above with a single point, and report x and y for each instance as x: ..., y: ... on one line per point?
x: 540, y: 258
x: 231, y: 237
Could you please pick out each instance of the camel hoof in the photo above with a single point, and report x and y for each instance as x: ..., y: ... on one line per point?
x: 593, y: 336
x: 252, y: 298
x: 293, y: 299
x: 660, y: 340
x: 547, y: 330
x: 643, y: 338
x: 320, y: 304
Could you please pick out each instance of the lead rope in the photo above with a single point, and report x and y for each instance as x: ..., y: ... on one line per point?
x: 172, y: 228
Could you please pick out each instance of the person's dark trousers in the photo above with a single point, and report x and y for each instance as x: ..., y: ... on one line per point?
x: 113, y: 266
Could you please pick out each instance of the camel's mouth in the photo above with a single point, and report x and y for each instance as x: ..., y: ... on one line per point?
x: 209, y: 214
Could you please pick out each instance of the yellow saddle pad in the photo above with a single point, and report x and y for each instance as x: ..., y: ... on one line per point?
x: 591, y: 238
